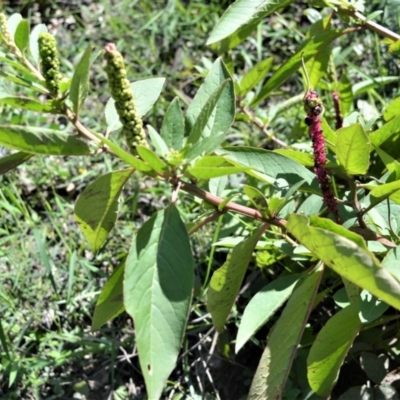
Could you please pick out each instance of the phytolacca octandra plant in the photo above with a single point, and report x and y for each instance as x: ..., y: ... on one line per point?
x: 132, y: 125
x: 314, y: 108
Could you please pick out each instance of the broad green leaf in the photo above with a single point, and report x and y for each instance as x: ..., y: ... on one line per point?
x: 330, y: 348
x: 374, y: 368
x: 345, y: 94
x: 123, y: 155
x: 204, y: 146
x: 312, y: 205
x: 309, y: 49
x: 173, y: 126
x: 300, y: 157
x: 158, y: 142
x: 152, y: 159
x: 348, y: 259
x: 242, y: 13
x: 12, y: 161
x: 276, y: 360
x: 212, y: 167
x: 80, y: 81
x: 253, y: 77
x: 110, y: 302
x: 392, y: 110
x: 13, y: 23
x: 97, y: 207
x: 391, y: 262
x: 223, y: 112
x: 370, y: 308
x: 329, y: 135
x: 209, y: 111
x: 382, y: 192
x: 41, y: 141
x: 29, y: 104
x: 145, y: 93
x: 33, y: 41
x: 21, y: 36
x: 352, y: 149
x: 267, y: 165
x: 317, y: 66
x: 263, y: 306
x: 226, y: 280
x: 385, y: 132
x: 157, y: 294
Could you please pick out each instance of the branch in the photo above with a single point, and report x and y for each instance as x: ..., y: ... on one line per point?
x: 373, y: 26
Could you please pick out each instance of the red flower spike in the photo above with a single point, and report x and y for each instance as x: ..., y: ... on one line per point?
x: 314, y: 108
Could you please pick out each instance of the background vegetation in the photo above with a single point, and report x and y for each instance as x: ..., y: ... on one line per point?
x: 49, y: 280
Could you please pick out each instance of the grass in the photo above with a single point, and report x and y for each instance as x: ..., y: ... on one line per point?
x: 49, y: 279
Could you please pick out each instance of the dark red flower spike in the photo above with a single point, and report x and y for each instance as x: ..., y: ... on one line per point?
x: 314, y: 110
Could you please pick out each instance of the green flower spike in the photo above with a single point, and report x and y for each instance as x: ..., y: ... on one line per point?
x: 132, y: 125
x: 50, y: 62
x: 7, y: 37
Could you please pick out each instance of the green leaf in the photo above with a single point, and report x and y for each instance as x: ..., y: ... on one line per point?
x: 374, y: 368
x: 212, y: 167
x: 365, y: 86
x: 257, y: 198
x: 382, y: 192
x: 80, y: 81
x: 21, y: 36
x: 370, y: 308
x: 24, y: 82
x: 157, y: 294
x: 267, y: 165
x: 222, y: 112
x: 145, y: 93
x: 345, y: 94
x: 226, y: 280
x: 152, y: 159
x: 276, y: 360
x: 330, y: 348
x: 202, y: 124
x: 391, y: 262
x: 24, y: 103
x: 97, y: 206
x: 352, y: 149
x: 173, y: 126
x: 13, y: 23
x: 12, y: 161
x: 41, y: 141
x: 204, y: 146
x: 392, y: 110
x: 263, y: 306
x: 254, y: 76
x: 311, y: 48
x: 110, y: 302
x: 300, y: 157
x: 344, y: 256
x: 158, y: 142
x: 240, y: 14
x: 33, y: 41
x: 317, y: 66
x: 385, y: 132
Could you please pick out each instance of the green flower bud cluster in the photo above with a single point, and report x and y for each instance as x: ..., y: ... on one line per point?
x: 50, y: 62
x: 8, y: 39
x: 132, y: 125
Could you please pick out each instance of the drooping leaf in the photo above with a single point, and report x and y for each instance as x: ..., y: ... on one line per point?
x: 29, y: 104
x: 41, y: 141
x: 80, y: 81
x: 110, y: 302
x: 242, y: 13
x: 145, y: 93
x: 173, y: 126
x: 309, y: 49
x: 276, y: 360
x: 157, y: 293
x: 267, y: 165
x: 223, y: 112
x: 21, y: 36
x: 330, y: 348
x: 213, y: 167
x: 97, y: 206
x: 254, y: 76
x: 12, y: 161
x: 263, y: 306
x: 347, y: 258
x: 352, y: 149
x: 33, y: 41
x: 226, y: 280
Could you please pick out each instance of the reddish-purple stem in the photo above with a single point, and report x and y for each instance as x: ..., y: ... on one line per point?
x: 339, y: 119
